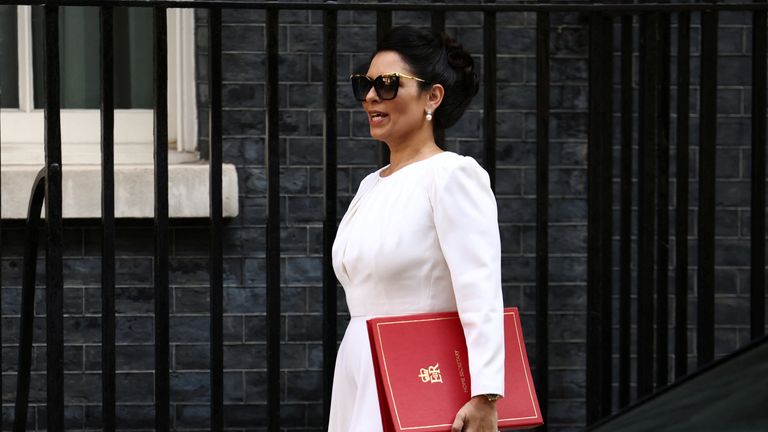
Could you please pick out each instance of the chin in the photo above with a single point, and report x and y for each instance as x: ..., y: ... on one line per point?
x: 376, y: 134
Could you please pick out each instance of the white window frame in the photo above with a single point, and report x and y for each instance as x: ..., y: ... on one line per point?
x: 25, y: 125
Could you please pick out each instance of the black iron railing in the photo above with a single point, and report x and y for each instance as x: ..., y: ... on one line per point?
x: 653, y: 200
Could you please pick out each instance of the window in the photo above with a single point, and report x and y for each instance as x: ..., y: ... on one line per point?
x: 22, y: 116
x: 21, y: 69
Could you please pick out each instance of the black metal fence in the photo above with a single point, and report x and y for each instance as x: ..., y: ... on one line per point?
x: 653, y: 226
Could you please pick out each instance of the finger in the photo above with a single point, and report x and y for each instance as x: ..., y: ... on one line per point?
x: 458, y: 424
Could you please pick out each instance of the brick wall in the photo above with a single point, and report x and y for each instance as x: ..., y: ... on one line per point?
x: 301, y: 236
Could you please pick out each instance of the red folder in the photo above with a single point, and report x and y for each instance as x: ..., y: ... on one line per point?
x: 422, y: 373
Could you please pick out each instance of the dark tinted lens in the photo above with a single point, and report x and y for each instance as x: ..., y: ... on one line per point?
x: 361, y: 85
x: 386, y: 86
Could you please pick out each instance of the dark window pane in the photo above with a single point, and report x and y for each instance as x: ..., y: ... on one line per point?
x: 79, y: 57
x: 9, y: 58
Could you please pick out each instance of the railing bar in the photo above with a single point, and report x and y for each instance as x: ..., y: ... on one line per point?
x: 438, y: 19
x: 681, y: 205
x: 705, y: 336
x: 448, y: 7
x: 216, y: 219
x: 162, y: 366
x: 107, y: 220
x: 26, y: 322
x: 542, y: 211
x: 662, y: 208
x: 273, y: 224
x: 489, y: 96
x: 595, y: 317
x: 383, y: 25
x: 54, y: 223
x: 757, y: 271
x: 599, y: 220
x: 625, y: 245
x: 330, y: 321
x: 646, y: 194
x: 606, y: 209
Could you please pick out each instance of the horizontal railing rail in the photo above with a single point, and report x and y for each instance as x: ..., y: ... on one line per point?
x: 651, y: 260
x: 618, y: 7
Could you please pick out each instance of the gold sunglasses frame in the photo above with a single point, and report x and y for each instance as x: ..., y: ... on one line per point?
x: 390, y: 74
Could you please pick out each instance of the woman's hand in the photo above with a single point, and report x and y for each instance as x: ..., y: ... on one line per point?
x: 477, y: 415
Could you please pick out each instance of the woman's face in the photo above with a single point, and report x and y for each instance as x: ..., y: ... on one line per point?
x: 397, y: 120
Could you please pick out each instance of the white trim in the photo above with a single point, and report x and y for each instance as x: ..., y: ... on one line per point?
x: 26, y: 84
x: 134, y: 191
x: 77, y: 126
x: 25, y: 125
x: 186, y: 93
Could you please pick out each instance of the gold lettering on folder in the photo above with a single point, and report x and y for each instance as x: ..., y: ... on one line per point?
x: 431, y: 374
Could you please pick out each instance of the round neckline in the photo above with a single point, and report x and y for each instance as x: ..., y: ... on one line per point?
x: 380, y: 177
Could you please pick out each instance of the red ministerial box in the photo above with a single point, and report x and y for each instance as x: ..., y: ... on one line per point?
x: 422, y: 372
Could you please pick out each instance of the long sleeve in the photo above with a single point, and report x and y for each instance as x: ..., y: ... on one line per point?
x: 466, y: 220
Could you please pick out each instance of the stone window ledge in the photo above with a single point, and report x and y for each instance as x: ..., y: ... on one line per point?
x: 188, y: 195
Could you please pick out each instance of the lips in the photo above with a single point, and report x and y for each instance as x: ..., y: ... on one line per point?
x: 376, y: 117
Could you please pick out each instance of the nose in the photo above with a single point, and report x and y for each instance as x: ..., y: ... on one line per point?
x: 371, y: 95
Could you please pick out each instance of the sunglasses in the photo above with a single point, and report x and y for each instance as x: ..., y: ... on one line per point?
x: 386, y: 85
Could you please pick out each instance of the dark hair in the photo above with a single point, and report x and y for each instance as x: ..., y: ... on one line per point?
x: 437, y: 59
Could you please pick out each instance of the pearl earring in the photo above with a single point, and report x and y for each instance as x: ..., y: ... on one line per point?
x: 429, y: 115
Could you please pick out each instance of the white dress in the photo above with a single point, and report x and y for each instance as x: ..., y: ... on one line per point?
x: 423, y: 239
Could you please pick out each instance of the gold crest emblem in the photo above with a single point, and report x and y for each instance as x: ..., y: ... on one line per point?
x: 431, y: 374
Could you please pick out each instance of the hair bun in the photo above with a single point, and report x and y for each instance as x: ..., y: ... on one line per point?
x: 461, y: 60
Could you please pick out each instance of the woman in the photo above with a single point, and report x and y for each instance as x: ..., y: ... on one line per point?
x: 421, y: 235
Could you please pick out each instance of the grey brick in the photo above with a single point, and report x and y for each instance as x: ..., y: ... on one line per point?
x: 190, y: 300
x: 732, y: 193
x: 241, y: 151
x: 568, y: 269
x: 189, y: 329
x: 305, y: 386
x: 304, y: 327
x: 573, y: 97
x: 243, y: 122
x: 134, y: 329
x: 135, y: 416
x: 244, y: 416
x: 247, y: 16
x: 305, y: 151
x: 134, y: 387
x: 247, y: 95
x: 82, y: 329
x: 243, y: 67
x: 243, y: 38
x: 517, y: 269
x: 734, y: 71
x: 293, y: 123
x: 728, y: 165
x: 192, y: 416
x: 508, y: 181
x: 305, y: 39
x: 515, y: 40
x: 293, y: 356
x: 190, y: 386
x: 245, y: 357
x: 516, y: 97
x: 357, y: 39
x: 302, y: 271
x: 293, y: 68
x: 567, y: 69
x: 516, y: 210
x: 305, y: 209
x: 294, y: 180
x: 567, y: 384
x: 567, y: 354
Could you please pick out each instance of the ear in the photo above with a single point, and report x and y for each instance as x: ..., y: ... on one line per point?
x: 435, y: 96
